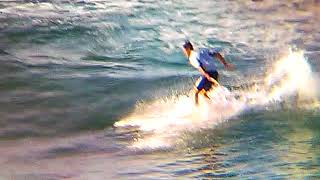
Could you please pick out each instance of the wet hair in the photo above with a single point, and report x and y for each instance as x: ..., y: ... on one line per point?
x: 187, y: 45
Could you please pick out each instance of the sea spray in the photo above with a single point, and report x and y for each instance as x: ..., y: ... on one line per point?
x: 293, y: 75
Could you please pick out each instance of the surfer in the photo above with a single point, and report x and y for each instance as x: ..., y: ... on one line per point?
x: 202, y: 60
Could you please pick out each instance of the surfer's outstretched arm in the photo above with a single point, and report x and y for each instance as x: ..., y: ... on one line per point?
x: 224, y: 62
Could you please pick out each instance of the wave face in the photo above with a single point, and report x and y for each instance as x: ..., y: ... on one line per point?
x: 105, y: 82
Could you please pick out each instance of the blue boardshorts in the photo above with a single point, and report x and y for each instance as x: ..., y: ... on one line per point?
x: 204, y: 83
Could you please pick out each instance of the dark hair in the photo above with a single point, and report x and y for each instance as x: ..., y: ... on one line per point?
x: 187, y: 45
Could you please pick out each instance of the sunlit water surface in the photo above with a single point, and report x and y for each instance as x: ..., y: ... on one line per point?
x: 100, y: 90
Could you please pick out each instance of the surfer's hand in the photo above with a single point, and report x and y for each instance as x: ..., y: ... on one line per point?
x: 229, y: 67
x: 213, y: 81
x: 207, y: 76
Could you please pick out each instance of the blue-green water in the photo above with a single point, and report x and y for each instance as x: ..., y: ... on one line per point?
x: 100, y: 90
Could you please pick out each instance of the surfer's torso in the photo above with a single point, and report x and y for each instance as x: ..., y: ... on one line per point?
x: 203, y: 58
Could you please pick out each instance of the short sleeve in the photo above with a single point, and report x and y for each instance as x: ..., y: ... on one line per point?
x: 193, y: 60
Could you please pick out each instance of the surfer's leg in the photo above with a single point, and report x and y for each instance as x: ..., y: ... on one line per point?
x: 202, y: 86
x: 198, y: 87
x: 196, y: 97
x: 206, y: 95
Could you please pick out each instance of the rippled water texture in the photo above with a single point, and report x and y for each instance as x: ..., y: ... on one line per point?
x: 99, y: 89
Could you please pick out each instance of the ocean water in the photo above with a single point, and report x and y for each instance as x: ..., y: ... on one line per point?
x: 99, y: 89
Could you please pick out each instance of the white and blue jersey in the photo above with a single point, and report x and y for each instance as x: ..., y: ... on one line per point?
x: 205, y: 58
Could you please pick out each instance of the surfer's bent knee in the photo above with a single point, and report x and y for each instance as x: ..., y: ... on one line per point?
x: 196, y: 90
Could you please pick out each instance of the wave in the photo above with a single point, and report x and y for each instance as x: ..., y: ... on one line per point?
x: 161, y: 122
